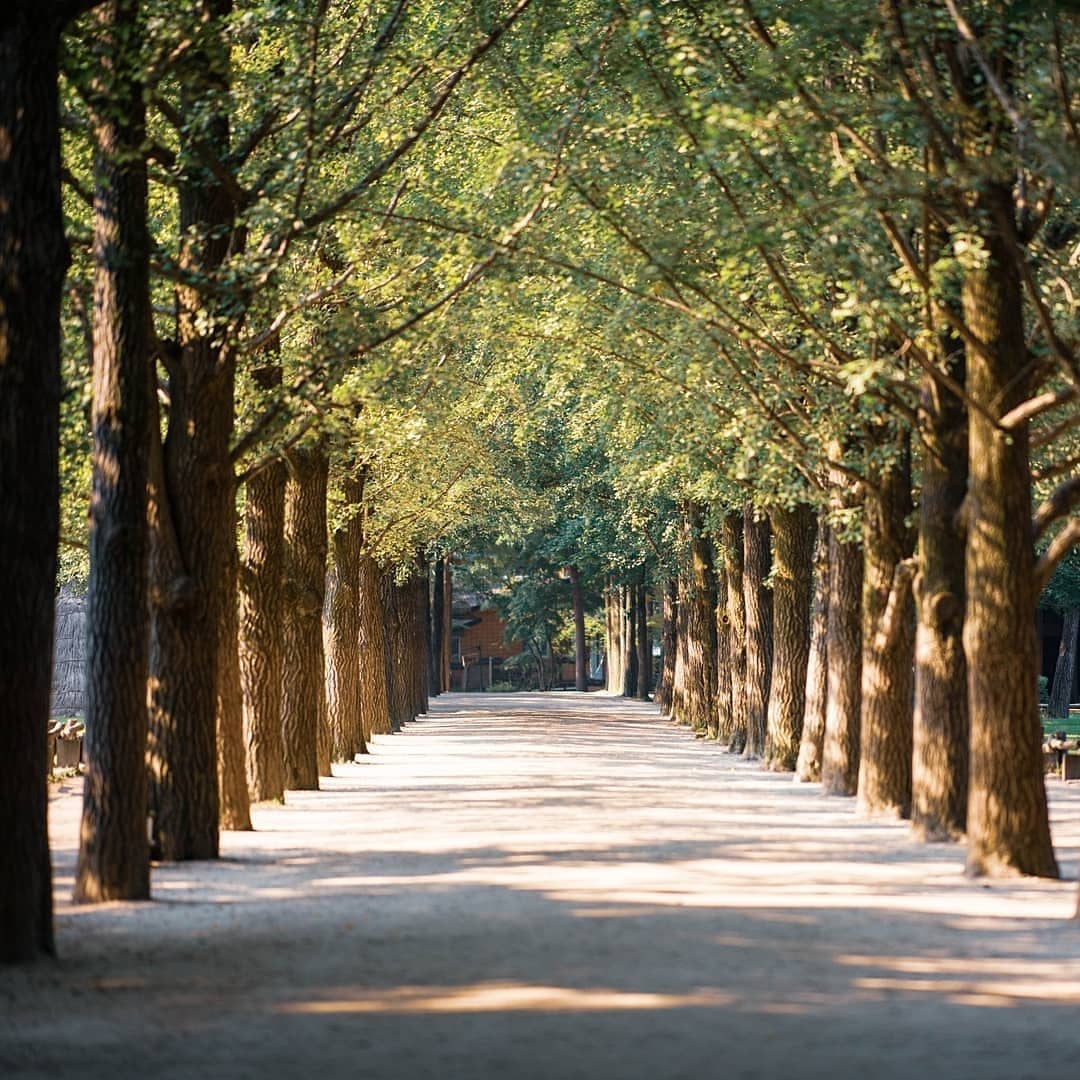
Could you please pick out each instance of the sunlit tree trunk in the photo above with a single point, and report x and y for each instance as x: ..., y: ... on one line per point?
x: 114, y: 851
x: 808, y: 767
x: 581, y: 654
x: 233, y: 798
x: 374, y: 689
x: 668, y: 646
x: 732, y: 533
x: 793, y: 564
x: 759, y: 629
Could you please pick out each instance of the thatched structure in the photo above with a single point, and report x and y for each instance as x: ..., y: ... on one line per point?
x: 69, y: 655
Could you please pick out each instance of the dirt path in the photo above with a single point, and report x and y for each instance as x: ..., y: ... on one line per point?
x: 555, y: 886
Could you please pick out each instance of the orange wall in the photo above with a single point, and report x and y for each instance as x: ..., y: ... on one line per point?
x: 486, y: 638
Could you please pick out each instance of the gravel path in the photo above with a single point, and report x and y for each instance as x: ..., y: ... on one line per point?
x: 558, y: 886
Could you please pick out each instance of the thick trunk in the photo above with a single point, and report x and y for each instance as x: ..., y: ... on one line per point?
x: 437, y: 634
x: 196, y: 478
x: 700, y: 626
x: 581, y: 655
x: 840, y: 752
x: 303, y: 696
x: 725, y: 717
x: 262, y: 609
x: 234, y: 800
x: 808, y: 767
x: 939, y: 782
x: 732, y: 532
x: 398, y: 672
x: 418, y: 640
x: 668, y: 646
x: 342, y: 627
x: 888, y: 635
x: 793, y: 566
x: 374, y: 689
x: 114, y: 851
x: 1065, y: 668
x: 1008, y: 828
x: 614, y: 675
x: 759, y: 630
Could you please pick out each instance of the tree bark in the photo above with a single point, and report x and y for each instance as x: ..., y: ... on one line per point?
x: 581, y: 655
x: 679, y: 692
x: 303, y: 699
x: 941, y: 728
x: 808, y: 767
x: 642, y: 639
x: 342, y: 626
x: 840, y: 753
x: 398, y: 674
x: 233, y: 798
x: 374, y: 690
x: 668, y: 646
x: 725, y: 717
x: 196, y: 476
x: 627, y: 602
x: 1065, y: 668
x: 446, y: 652
x: 114, y: 850
x: 1008, y: 826
x: 888, y: 635
x: 700, y: 625
x: 793, y: 558
x: 261, y: 613
x: 759, y: 630
x: 615, y: 675
x: 731, y: 529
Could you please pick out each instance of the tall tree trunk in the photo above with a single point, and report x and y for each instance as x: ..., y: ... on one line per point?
x: 759, y: 629
x: 888, y: 636
x: 668, y: 646
x: 418, y: 640
x: 840, y: 752
x: 1008, y: 826
x: 374, y: 689
x: 615, y: 655
x: 941, y: 728
x: 446, y: 587
x: 197, y: 474
x: 1065, y: 668
x: 114, y: 851
x: 731, y: 529
x: 793, y: 569
x: 679, y: 691
x: 642, y: 640
x: 700, y: 625
x: 627, y: 601
x: 233, y: 797
x: 303, y: 699
x: 725, y: 717
x: 808, y: 767
x: 398, y: 676
x: 33, y: 260
x: 342, y: 626
x: 438, y: 628
x: 581, y: 653
x: 262, y: 609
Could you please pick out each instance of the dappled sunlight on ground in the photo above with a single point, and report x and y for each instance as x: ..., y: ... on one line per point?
x: 557, y: 886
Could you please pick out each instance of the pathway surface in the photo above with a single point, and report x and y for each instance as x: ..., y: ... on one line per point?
x: 558, y: 886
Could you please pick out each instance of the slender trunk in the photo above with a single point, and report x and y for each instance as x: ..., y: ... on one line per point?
x: 725, y: 718
x: 808, y: 767
x: 417, y: 592
x: 643, y: 641
x: 303, y: 699
x: 613, y: 615
x: 1065, y: 668
x: 446, y: 587
x: 679, y: 692
x: 793, y: 558
x: 196, y: 475
x: 262, y: 609
x: 581, y: 655
x: 374, y: 689
x: 627, y: 608
x: 888, y: 635
x: 114, y: 851
x: 941, y: 728
x: 438, y: 626
x: 668, y: 646
x: 732, y: 533
x: 234, y: 800
x: 759, y: 630
x: 1008, y: 826
x: 700, y: 625
x: 840, y: 751
x: 398, y: 675
x: 342, y: 626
